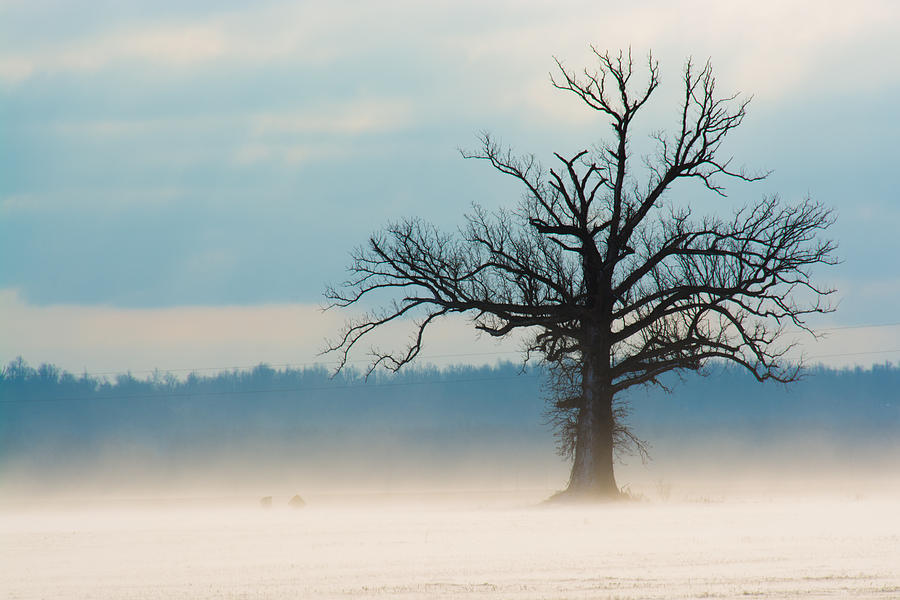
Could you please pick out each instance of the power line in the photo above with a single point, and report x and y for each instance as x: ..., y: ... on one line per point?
x: 195, y: 394
x: 450, y: 355
x: 286, y: 365
x: 213, y: 393
x: 855, y: 353
x: 858, y: 327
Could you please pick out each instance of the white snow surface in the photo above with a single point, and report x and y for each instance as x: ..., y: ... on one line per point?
x: 509, y: 548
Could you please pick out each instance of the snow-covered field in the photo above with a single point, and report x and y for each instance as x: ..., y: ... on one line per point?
x: 475, y: 548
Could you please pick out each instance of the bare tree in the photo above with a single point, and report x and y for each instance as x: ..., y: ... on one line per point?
x: 614, y: 283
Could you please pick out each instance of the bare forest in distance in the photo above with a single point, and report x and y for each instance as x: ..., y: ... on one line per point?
x: 57, y: 427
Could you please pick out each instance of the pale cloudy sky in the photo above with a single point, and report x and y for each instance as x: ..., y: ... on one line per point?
x: 179, y: 180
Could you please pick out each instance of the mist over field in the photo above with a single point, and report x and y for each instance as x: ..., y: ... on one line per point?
x: 268, y: 432
x: 433, y: 484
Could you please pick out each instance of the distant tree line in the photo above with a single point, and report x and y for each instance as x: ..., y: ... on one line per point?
x: 49, y: 410
x: 62, y: 428
x: 50, y: 403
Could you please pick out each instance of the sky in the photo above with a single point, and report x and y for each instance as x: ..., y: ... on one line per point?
x: 180, y: 181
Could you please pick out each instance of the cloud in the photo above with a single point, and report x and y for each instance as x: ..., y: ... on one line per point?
x: 103, y: 339
x: 75, y: 202
x: 774, y: 48
x: 321, y: 132
x: 349, y: 118
x: 178, y: 45
x: 308, y: 34
x: 289, y: 154
x: 291, y: 127
x: 313, y: 132
x: 15, y: 69
x: 181, y: 45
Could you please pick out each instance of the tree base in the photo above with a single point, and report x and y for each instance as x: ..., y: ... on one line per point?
x: 587, y: 497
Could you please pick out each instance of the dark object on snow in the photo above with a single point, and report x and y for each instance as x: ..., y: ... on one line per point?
x: 296, y: 502
x: 266, y: 501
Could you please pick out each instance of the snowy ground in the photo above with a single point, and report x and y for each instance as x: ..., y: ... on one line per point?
x: 475, y: 548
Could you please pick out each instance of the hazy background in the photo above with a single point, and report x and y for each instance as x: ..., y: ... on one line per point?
x: 178, y: 181
x: 241, y: 435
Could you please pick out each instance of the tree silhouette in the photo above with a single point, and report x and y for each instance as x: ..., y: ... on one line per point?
x: 613, y: 283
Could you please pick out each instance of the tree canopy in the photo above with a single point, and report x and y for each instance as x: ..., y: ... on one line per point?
x: 614, y: 282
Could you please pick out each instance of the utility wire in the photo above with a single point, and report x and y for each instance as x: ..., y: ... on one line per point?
x: 859, y: 327
x: 214, y: 393
x: 303, y: 364
x: 457, y: 355
x: 855, y: 353
x: 164, y: 395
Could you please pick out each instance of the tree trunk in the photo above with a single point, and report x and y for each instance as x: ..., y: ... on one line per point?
x: 592, y: 471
